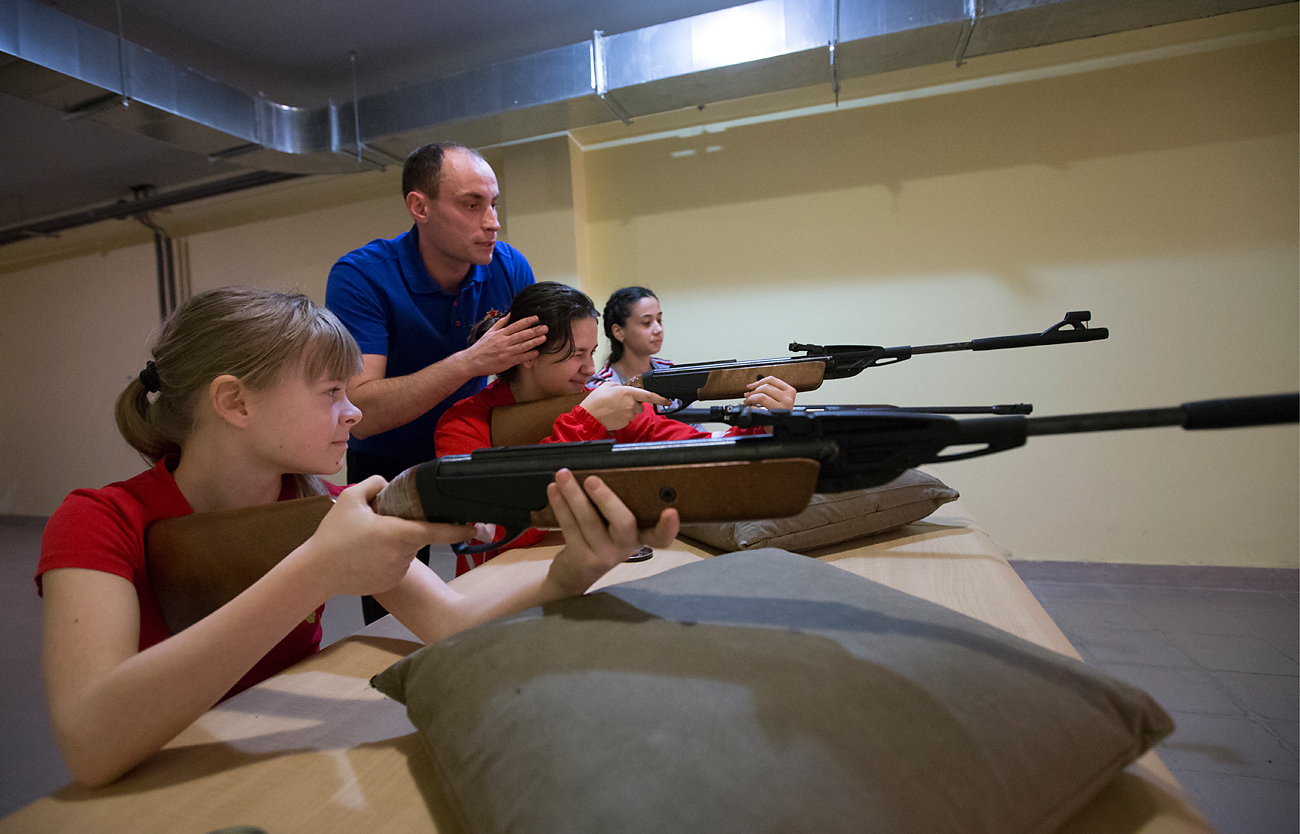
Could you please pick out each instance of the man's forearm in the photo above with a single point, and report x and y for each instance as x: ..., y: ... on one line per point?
x: 390, y: 402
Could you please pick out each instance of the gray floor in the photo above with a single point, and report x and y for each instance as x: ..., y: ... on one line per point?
x: 1222, y: 660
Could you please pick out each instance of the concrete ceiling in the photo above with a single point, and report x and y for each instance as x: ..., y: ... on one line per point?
x: 492, y: 71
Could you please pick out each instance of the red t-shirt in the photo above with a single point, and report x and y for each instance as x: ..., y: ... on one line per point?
x: 103, y: 529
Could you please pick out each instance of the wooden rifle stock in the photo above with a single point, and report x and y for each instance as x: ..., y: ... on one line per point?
x: 200, y: 562
x: 523, y: 424
x: 730, y: 383
x: 735, y: 490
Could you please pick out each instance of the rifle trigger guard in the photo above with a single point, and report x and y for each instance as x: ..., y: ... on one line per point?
x: 668, y: 410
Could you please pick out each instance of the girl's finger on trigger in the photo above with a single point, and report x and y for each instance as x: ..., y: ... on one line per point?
x: 641, y: 395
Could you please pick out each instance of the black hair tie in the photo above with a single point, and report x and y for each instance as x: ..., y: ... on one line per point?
x: 149, y: 377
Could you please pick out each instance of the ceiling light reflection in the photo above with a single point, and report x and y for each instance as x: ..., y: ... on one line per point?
x: 744, y: 33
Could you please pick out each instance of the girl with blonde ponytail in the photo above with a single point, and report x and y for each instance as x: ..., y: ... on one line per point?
x: 244, y: 403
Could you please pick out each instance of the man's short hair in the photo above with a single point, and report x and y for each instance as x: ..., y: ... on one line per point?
x: 423, y: 169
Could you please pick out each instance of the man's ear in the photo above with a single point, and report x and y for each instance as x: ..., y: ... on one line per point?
x: 229, y: 398
x: 417, y: 203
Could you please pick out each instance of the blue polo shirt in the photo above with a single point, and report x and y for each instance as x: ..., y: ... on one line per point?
x: 386, y: 298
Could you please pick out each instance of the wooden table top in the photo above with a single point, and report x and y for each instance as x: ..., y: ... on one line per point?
x: 315, y: 749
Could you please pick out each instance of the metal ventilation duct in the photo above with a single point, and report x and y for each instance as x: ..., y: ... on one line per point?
x: 760, y: 47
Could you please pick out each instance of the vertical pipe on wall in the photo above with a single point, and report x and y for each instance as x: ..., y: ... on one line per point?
x: 171, y: 275
x: 164, y: 263
x: 158, y: 259
x: 185, y: 287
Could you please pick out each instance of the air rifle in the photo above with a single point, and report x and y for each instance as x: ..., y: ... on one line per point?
x: 727, y: 380
x: 811, y: 449
x: 526, y: 423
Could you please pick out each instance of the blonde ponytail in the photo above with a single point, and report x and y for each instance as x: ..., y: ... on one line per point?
x: 132, y: 413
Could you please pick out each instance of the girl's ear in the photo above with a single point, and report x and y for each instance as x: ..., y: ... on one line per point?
x: 616, y: 330
x: 229, y: 399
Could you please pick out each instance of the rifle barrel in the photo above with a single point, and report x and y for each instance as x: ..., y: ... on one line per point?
x: 1237, y: 412
x: 1145, y: 418
x: 947, y: 347
x: 1052, y: 337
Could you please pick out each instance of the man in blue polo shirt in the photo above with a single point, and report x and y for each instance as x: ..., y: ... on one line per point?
x: 411, y: 302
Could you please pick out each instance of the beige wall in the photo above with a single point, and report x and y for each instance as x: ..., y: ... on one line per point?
x: 1160, y: 194
x: 71, y: 333
x: 537, y: 207
x: 75, y: 331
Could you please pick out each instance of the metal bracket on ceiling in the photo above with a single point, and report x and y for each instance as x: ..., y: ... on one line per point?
x: 375, y: 157
x: 108, y: 100
x: 372, y: 157
x: 121, y: 57
x: 600, y: 77
x: 91, y: 106
x: 967, y: 29
x: 835, y: 40
x: 369, y: 155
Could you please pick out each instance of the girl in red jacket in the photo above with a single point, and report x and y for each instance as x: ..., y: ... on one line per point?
x: 564, y: 364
